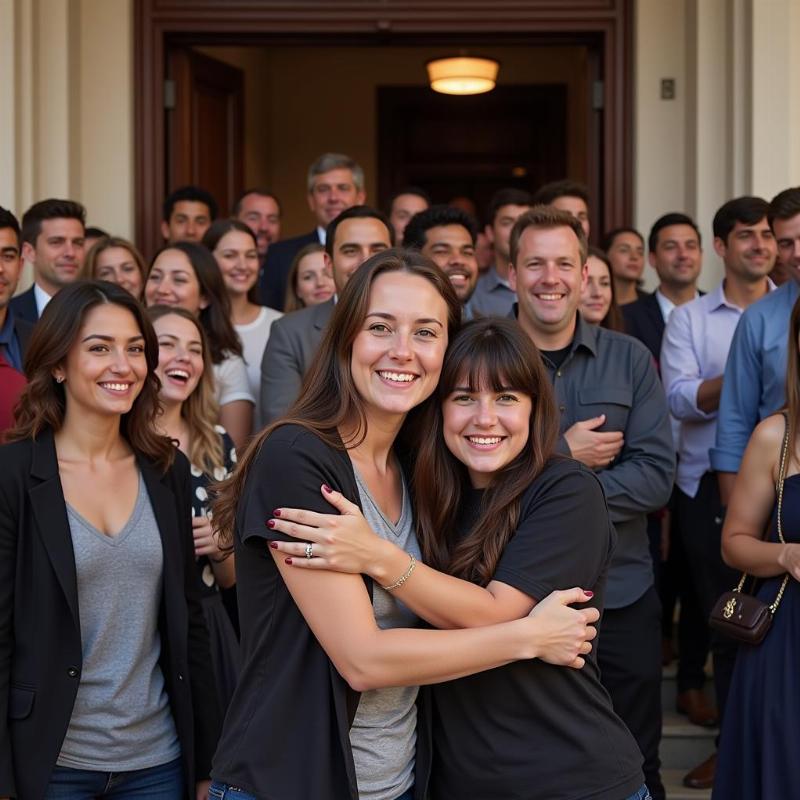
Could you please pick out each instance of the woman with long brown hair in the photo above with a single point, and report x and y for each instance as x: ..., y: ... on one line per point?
x: 186, y: 275
x: 758, y: 742
x: 502, y: 521
x: 317, y: 711
x: 188, y: 417
x: 116, y: 260
x: 105, y: 652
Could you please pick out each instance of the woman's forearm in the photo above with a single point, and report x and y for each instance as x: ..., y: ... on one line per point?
x: 748, y: 554
x: 442, y: 600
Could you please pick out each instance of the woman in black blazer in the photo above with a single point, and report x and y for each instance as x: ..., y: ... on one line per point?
x: 104, y: 661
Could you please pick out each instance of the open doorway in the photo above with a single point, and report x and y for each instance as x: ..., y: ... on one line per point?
x: 558, y: 110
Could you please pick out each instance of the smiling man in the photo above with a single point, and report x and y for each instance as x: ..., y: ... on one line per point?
x: 53, y: 241
x: 354, y: 236
x: 335, y: 183
x: 447, y: 236
x: 613, y: 419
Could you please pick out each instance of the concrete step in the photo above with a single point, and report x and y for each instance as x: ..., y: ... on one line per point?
x: 683, y: 745
x: 677, y: 791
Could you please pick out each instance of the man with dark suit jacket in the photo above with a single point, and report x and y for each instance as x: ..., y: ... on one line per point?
x: 356, y: 234
x: 676, y: 254
x: 335, y: 183
x: 53, y: 241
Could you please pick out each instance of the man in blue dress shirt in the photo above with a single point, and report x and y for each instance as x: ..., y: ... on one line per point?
x: 755, y: 372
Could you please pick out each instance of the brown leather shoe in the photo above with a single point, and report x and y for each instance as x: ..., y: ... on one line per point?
x: 696, y: 706
x: 702, y: 776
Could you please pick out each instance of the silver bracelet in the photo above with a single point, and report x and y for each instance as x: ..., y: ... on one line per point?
x: 403, y: 578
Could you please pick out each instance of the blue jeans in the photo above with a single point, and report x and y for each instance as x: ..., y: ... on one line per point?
x: 164, y: 782
x: 642, y: 794
x: 224, y: 791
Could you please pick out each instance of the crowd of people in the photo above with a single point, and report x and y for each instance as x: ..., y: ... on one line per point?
x: 404, y: 507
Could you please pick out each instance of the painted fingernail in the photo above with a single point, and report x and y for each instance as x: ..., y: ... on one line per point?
x: 270, y: 523
x: 588, y: 593
x: 276, y: 512
x: 327, y: 488
x: 289, y: 561
x: 273, y: 545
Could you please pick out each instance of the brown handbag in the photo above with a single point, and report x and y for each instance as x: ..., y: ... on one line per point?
x: 741, y: 616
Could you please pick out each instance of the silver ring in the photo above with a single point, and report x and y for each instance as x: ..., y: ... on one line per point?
x: 309, y: 550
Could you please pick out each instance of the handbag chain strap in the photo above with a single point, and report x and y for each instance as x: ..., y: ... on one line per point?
x: 779, y: 490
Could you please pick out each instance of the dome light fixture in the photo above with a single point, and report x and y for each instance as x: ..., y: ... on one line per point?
x: 462, y: 74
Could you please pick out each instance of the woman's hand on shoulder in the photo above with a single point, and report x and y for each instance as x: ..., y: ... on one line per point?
x: 342, y: 542
x: 563, y: 634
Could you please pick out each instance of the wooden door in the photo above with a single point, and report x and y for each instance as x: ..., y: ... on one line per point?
x: 204, y: 123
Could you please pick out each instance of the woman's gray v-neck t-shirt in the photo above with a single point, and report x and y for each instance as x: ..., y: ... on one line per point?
x: 384, y: 732
x: 121, y: 719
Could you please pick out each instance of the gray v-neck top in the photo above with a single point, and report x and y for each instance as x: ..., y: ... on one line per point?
x: 121, y: 719
x: 383, y: 735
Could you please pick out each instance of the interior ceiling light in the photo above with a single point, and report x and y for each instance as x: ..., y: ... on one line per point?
x: 462, y: 74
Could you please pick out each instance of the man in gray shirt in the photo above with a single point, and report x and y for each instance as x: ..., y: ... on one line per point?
x: 614, y: 419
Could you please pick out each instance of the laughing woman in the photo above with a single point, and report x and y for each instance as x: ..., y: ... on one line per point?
x: 325, y: 706
x: 502, y: 521
x: 106, y: 686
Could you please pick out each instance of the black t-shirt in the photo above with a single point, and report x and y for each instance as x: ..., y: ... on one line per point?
x: 286, y: 731
x: 557, y: 357
x: 529, y: 730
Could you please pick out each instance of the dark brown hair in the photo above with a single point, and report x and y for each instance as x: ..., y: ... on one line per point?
x: 216, y: 316
x: 43, y: 403
x: 222, y: 227
x: 613, y: 319
x: 487, y: 353
x: 329, y: 398
x: 546, y: 217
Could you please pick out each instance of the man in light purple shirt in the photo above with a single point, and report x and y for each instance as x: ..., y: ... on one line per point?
x: 693, y: 355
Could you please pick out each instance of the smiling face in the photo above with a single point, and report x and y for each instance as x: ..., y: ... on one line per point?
x: 188, y: 222
x: 58, y: 255
x: 485, y: 429
x: 105, y: 368
x: 453, y: 251
x: 596, y: 295
x: 314, y: 281
x: 117, y: 265
x: 397, y: 355
x: 173, y: 282
x: 404, y: 206
x: 749, y: 251
x: 355, y: 240
x: 262, y: 215
x: 548, y: 278
x: 626, y: 254
x: 237, y: 257
x: 787, y: 236
x: 331, y: 193
x: 180, y: 357
x: 678, y: 256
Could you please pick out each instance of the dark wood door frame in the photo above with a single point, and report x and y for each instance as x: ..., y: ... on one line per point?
x: 157, y: 23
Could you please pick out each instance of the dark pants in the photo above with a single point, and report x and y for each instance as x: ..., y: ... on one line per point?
x: 164, y: 782
x: 629, y: 656
x: 701, y: 520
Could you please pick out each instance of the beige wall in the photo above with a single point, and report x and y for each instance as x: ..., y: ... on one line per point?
x: 67, y: 68
x: 732, y: 129
x: 301, y: 112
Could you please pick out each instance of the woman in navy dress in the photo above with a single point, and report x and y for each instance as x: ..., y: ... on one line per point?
x: 759, y: 738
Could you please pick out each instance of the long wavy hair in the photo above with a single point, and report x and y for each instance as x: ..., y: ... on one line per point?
x: 44, y: 403
x: 200, y: 409
x: 487, y: 353
x: 793, y: 380
x: 216, y: 316
x: 329, y: 399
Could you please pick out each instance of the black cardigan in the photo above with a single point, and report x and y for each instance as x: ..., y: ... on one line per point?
x: 40, y: 639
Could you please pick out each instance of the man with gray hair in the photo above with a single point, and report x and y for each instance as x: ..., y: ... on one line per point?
x: 335, y: 183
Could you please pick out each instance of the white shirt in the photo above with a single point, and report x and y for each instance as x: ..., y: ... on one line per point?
x: 321, y: 234
x: 667, y: 306
x: 41, y: 297
x: 254, y: 336
x: 230, y: 376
